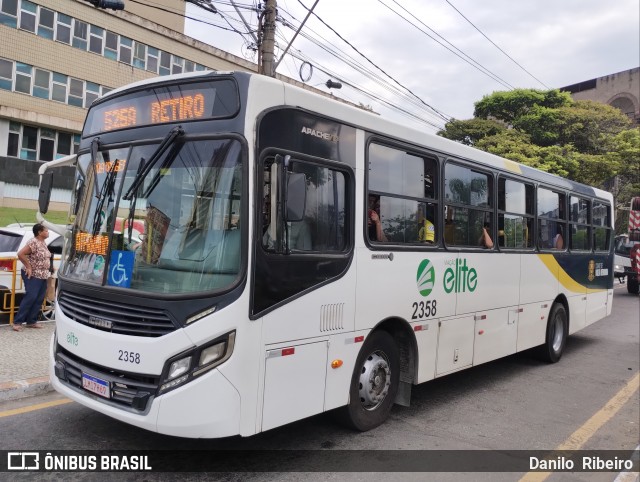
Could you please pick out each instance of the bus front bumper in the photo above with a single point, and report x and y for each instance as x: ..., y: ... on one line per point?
x: 207, y: 407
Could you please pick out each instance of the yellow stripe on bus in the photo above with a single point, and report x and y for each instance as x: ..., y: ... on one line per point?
x: 512, y: 166
x: 565, y: 280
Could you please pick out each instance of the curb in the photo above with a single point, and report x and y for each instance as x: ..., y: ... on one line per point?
x: 24, y: 388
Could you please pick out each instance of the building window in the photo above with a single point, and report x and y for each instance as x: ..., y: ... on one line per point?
x: 6, y: 74
x: 177, y: 65
x: 28, y: 12
x: 14, y: 139
x: 63, y: 28
x: 105, y: 90
x: 200, y: 67
x: 80, y: 34
x: 41, y: 84
x: 111, y: 46
x: 125, y: 50
x: 139, y: 55
x: 96, y: 39
x: 64, y: 145
x: 23, y: 78
x: 29, y: 143
x: 152, y: 59
x: 59, y: 88
x: 165, y: 63
x: 9, y: 13
x: 91, y: 94
x: 46, y: 23
x: 76, y: 92
x: 47, y: 145
x: 189, y: 66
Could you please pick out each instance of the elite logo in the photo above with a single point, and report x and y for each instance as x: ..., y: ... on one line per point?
x: 425, y: 278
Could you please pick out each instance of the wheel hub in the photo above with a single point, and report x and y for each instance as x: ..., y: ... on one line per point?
x: 375, y: 380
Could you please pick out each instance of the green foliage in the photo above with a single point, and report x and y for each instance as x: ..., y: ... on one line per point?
x: 585, y: 141
x: 468, y: 132
x: 509, y: 106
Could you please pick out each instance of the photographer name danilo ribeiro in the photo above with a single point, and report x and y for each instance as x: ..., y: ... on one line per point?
x: 588, y: 463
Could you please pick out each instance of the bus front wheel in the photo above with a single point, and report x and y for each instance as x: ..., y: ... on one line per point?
x: 374, y: 383
x: 556, y: 337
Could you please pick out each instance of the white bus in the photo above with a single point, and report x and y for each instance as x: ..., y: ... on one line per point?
x: 294, y: 255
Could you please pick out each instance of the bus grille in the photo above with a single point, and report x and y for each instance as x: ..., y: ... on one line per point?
x: 127, y: 390
x: 115, y: 317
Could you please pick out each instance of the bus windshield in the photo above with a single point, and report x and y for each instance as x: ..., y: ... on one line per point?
x: 177, y: 231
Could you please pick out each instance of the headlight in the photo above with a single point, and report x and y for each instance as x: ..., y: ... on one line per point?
x: 179, y: 367
x: 184, y: 367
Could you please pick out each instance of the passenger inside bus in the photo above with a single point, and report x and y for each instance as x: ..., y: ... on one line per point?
x: 373, y: 220
x: 485, y: 238
x: 426, y: 229
x: 558, y: 241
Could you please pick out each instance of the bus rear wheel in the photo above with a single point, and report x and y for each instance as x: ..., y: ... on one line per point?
x: 374, y: 383
x: 556, y: 337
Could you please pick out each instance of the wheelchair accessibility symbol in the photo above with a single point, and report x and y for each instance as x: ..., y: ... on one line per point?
x: 120, y: 268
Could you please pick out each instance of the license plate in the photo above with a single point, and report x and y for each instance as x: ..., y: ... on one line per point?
x: 96, y: 385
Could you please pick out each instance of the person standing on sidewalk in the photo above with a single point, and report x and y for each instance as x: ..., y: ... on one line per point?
x: 35, y: 258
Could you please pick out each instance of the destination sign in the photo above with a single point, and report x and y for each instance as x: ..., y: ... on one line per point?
x: 164, y: 104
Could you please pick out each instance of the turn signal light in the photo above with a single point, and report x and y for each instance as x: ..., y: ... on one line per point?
x: 336, y: 363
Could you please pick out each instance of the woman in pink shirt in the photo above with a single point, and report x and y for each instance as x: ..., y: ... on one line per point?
x: 35, y: 258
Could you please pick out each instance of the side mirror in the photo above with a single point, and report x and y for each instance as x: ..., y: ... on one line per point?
x: 44, y: 193
x: 296, y: 196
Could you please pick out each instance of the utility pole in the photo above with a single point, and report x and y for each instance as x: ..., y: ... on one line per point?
x: 267, y: 47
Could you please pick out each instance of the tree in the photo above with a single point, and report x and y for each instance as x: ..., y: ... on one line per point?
x: 509, y: 106
x: 584, y: 141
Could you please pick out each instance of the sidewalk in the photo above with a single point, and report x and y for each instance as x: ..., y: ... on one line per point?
x: 24, y: 361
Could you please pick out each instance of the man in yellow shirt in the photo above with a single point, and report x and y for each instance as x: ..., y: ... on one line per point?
x: 427, y: 231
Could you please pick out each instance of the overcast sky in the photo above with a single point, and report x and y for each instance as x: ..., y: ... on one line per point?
x: 558, y: 42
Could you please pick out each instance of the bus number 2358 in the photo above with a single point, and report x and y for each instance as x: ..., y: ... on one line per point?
x: 423, y: 309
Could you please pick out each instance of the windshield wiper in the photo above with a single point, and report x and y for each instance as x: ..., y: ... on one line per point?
x: 169, y: 139
x: 107, y: 187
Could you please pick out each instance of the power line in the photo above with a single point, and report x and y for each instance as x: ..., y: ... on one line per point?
x: 368, y: 94
x: 359, y: 67
x: 496, y: 46
x: 477, y: 65
x: 443, y: 116
x: 354, y: 64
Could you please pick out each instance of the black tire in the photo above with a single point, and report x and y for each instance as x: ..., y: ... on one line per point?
x: 556, y: 337
x: 377, y: 367
x: 632, y: 285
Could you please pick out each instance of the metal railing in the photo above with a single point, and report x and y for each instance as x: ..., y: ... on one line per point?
x: 11, y: 295
x: 15, y: 287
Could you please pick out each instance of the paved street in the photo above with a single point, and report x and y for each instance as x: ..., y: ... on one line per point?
x: 513, y: 403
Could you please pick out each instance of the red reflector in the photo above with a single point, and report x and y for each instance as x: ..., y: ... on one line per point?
x: 358, y: 339
x: 481, y: 332
x: 417, y: 328
x: 521, y: 310
x: 288, y: 351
